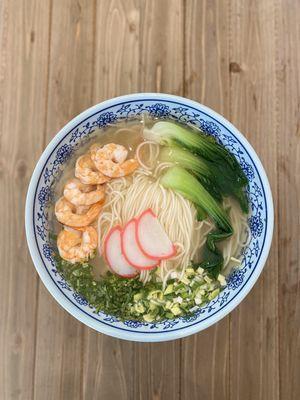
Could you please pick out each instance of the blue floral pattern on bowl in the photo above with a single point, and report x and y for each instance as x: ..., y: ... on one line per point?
x: 126, y: 110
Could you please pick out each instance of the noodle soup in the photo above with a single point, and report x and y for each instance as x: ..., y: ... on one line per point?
x: 150, y: 217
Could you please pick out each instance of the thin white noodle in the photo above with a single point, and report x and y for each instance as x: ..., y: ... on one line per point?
x: 162, y: 166
x: 152, y: 158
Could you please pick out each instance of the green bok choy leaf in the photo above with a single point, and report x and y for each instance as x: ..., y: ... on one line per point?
x: 180, y: 180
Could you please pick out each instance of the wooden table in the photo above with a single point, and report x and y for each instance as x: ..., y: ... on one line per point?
x: 242, y: 58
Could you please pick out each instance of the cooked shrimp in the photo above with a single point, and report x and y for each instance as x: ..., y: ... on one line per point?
x: 119, y: 155
x: 86, y: 171
x: 80, y: 194
x: 77, y: 245
x: 66, y: 213
x: 80, y: 210
x: 110, y: 160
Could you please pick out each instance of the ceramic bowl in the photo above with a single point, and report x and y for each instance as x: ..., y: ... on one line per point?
x: 49, y: 169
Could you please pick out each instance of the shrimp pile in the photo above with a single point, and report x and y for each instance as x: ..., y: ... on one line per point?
x: 84, y: 196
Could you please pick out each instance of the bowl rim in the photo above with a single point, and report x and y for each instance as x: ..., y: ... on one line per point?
x: 108, y: 329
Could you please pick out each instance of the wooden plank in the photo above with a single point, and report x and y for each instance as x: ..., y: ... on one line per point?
x: 206, y: 54
x: 254, y: 338
x: 288, y: 155
x: 116, y: 48
x: 108, y: 362
x: 108, y: 367
x: 205, y: 356
x: 157, y: 373
x: 144, y: 36
x: 157, y: 370
x: 161, y: 46
x: 23, y: 52
x: 59, y: 336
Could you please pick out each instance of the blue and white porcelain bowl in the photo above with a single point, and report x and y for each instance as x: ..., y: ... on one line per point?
x: 51, y: 164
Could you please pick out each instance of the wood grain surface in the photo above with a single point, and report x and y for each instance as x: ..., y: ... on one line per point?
x: 240, y: 57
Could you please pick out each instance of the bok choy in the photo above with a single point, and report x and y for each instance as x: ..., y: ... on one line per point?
x: 180, y: 180
x: 215, y: 167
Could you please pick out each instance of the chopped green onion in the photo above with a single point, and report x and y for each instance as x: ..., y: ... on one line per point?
x: 129, y: 299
